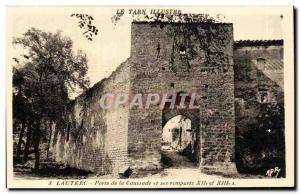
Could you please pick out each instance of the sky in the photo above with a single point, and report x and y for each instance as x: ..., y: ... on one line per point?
x: 111, y: 46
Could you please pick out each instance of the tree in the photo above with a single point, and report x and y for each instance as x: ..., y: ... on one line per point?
x: 49, y: 73
x: 85, y: 22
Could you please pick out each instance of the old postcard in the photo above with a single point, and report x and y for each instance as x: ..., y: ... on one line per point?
x: 150, y: 97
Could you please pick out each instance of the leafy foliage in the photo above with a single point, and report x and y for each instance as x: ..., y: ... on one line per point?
x: 115, y: 18
x: 85, y: 22
x: 170, y: 18
x: 210, y: 39
x: 262, y: 148
x: 43, y: 83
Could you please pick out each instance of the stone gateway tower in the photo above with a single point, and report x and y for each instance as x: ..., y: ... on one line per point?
x: 166, y: 58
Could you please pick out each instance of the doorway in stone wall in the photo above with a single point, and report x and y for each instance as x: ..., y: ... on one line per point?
x: 179, y: 143
x: 180, y: 140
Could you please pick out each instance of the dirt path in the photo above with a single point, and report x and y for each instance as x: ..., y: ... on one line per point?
x: 181, y: 167
x: 182, y: 173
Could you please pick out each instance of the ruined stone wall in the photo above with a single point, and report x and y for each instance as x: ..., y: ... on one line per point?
x: 91, y: 138
x: 257, y: 69
x: 164, y: 70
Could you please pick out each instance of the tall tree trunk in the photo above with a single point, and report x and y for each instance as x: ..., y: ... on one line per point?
x: 36, y: 143
x: 49, y: 141
x: 19, y: 146
x: 28, y: 143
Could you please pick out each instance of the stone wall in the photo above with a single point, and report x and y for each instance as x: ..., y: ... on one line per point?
x: 91, y: 138
x: 165, y: 58
x: 154, y: 72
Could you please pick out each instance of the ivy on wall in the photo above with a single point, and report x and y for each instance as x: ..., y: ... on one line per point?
x: 197, y: 33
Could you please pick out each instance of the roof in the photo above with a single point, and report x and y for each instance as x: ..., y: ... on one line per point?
x: 273, y: 64
x: 249, y: 43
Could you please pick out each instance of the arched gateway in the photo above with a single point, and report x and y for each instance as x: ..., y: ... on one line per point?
x: 198, y: 63
x: 175, y: 71
x: 185, y: 134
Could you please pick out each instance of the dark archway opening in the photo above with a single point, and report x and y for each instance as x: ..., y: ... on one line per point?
x: 180, y: 136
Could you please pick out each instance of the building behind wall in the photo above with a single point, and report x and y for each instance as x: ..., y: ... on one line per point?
x: 259, y: 105
x: 258, y: 77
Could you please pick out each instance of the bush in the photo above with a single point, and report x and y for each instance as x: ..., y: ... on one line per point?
x: 263, y: 148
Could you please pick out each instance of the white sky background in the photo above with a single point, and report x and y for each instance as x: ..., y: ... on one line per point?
x: 112, y: 45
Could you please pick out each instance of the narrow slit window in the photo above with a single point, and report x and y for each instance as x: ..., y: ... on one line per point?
x: 182, y: 50
x: 261, y: 63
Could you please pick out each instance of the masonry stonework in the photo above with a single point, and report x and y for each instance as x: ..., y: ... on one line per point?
x: 91, y: 138
x: 154, y: 74
x: 106, y: 141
